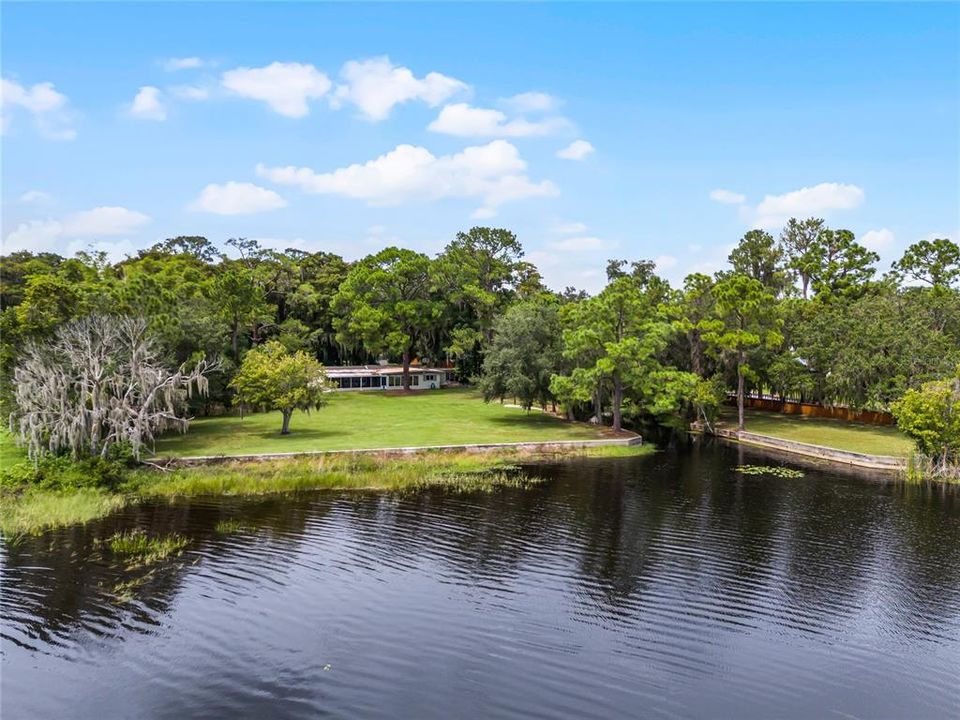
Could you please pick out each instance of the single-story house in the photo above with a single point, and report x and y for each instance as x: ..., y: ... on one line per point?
x: 385, y: 377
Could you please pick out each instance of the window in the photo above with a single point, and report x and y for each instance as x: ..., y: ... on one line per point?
x: 365, y: 382
x: 429, y: 377
x: 414, y: 380
x: 355, y: 382
x: 395, y: 381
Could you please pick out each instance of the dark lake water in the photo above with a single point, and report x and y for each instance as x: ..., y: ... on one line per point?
x: 665, y: 586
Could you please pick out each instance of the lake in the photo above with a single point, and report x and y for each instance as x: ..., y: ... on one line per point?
x: 662, y: 586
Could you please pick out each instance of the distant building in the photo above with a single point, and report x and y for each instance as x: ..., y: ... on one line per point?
x: 385, y: 377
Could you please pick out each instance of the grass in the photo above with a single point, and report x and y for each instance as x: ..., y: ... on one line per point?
x: 334, y: 472
x: 356, y: 421
x: 228, y: 527
x: 138, y: 546
x: 838, y: 434
x: 31, y: 510
x: 10, y: 454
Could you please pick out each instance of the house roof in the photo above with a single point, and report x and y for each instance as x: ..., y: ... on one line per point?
x: 351, y: 370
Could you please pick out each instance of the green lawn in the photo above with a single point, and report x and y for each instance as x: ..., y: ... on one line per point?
x: 373, y: 420
x: 10, y: 454
x: 839, y: 434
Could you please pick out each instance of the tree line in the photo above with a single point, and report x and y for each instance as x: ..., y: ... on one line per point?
x: 806, y: 316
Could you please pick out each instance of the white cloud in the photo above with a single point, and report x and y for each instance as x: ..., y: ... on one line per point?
x: 464, y: 120
x: 237, y: 198
x: 35, y: 235
x: 47, y: 106
x: 107, y: 220
x: 56, y: 235
x: 531, y: 102
x: 728, y: 197
x: 952, y: 236
x: 775, y: 210
x: 377, y: 85
x: 877, y: 240
x: 482, y: 213
x: 32, y: 196
x: 185, y: 63
x: 147, y: 104
x: 569, y: 269
x: 285, y: 87
x: 190, y: 92
x: 665, y: 262
x: 577, y: 150
x: 570, y: 228
x: 377, y: 237
x: 493, y: 172
x: 579, y: 244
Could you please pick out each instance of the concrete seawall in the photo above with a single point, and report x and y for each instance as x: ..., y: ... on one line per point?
x: 544, y: 447
x: 886, y: 463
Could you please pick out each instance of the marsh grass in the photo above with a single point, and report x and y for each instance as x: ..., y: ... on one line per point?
x: 32, y: 510
x: 136, y: 545
x: 332, y: 472
x: 229, y: 527
x: 922, y: 469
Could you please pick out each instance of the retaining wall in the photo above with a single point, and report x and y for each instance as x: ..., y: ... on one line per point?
x: 545, y: 447
x: 887, y: 463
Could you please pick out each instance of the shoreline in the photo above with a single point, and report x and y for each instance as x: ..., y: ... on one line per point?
x: 536, y: 446
x: 31, y: 510
x: 846, y: 458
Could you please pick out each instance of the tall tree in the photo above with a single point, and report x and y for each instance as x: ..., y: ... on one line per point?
x: 387, y: 304
x: 240, y: 298
x: 758, y: 255
x: 799, y: 242
x: 480, y: 270
x: 749, y: 320
x: 310, y: 303
x: 524, y: 354
x: 97, y: 383
x: 932, y: 262
x: 694, y: 314
x: 844, y: 266
x: 613, y: 338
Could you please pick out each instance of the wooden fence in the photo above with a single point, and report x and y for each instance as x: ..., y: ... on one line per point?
x: 839, y: 412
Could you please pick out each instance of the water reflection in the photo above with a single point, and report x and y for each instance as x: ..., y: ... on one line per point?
x: 663, y: 586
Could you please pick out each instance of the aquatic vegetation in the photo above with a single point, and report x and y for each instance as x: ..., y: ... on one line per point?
x: 33, y: 510
x: 25, y: 508
x: 137, y: 545
x: 776, y: 471
x: 228, y: 527
x: 483, y: 481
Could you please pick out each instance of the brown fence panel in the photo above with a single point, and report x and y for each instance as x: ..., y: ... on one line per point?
x: 838, y: 412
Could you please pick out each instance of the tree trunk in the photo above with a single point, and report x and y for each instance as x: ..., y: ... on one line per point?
x: 806, y: 285
x: 233, y: 341
x: 740, y: 424
x: 617, y: 401
x: 406, y: 369
x: 696, y: 353
x: 286, y: 422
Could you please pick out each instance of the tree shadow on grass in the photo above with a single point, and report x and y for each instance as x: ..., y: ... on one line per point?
x: 296, y: 434
x: 539, y: 420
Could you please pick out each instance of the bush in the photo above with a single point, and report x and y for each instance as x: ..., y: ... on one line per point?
x: 62, y: 473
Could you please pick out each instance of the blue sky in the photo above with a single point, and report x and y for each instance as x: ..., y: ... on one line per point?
x: 350, y: 127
